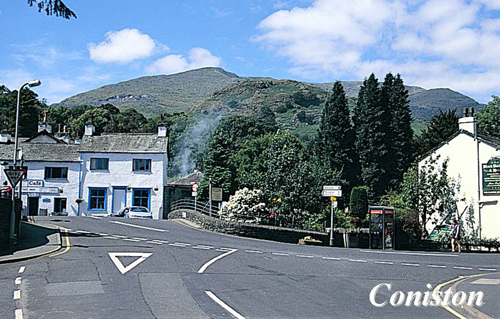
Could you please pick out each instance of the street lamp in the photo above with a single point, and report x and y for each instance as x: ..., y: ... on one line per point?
x: 13, y: 214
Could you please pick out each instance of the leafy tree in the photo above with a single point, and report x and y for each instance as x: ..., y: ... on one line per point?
x: 335, y: 141
x: 373, y: 138
x: 29, y: 111
x: 358, y: 206
x: 489, y: 119
x: 53, y: 7
x: 395, y: 96
x: 441, y: 127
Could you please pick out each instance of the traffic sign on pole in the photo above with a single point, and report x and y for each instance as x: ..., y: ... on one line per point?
x: 332, y: 188
x: 331, y: 193
x: 14, y: 175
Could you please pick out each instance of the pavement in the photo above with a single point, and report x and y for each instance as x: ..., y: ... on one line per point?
x: 36, y: 240
x: 128, y: 268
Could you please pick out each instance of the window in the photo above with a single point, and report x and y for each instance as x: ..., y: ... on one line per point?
x: 99, y: 164
x: 56, y: 173
x: 59, y: 205
x: 142, y: 165
x: 97, y: 198
x: 140, y: 197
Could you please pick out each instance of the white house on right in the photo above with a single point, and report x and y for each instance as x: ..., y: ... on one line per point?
x: 474, y: 162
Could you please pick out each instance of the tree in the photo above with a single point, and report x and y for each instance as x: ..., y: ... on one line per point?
x: 53, y: 7
x: 335, y: 140
x: 489, y: 119
x: 29, y: 111
x: 395, y: 96
x: 358, y: 205
x: 373, y: 138
x: 441, y: 127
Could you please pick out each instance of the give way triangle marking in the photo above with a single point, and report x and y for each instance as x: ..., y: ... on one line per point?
x: 121, y: 267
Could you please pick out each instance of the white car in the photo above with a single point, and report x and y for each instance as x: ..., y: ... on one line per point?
x: 134, y: 212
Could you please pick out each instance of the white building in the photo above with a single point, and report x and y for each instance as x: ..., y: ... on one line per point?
x: 474, y: 162
x: 99, y: 175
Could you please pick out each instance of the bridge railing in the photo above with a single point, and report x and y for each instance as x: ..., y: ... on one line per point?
x: 198, y: 206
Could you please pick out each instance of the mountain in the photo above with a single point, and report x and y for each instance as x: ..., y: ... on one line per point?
x: 216, y: 90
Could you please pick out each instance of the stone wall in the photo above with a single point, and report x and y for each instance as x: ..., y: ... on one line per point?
x: 343, y: 238
x: 5, y: 212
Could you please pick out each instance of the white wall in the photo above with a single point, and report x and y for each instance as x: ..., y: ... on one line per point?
x: 120, y: 174
x: 463, y: 166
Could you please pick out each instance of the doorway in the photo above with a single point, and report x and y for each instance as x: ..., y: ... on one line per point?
x: 119, y: 198
x: 33, y: 206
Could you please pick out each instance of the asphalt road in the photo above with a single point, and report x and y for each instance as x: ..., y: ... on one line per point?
x: 122, y: 268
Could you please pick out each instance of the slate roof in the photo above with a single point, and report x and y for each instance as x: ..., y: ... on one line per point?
x: 42, y: 152
x: 194, y: 177
x: 124, y: 142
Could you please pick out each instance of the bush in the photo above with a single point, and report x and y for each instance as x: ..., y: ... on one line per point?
x: 245, y: 205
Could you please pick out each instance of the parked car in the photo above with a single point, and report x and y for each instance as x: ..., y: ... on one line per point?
x: 133, y: 212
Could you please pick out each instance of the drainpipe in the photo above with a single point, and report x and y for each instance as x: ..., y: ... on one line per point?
x: 79, y: 182
x: 478, y: 179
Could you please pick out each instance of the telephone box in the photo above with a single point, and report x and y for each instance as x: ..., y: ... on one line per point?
x: 381, y: 226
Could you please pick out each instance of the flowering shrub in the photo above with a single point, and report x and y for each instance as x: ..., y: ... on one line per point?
x: 245, y: 205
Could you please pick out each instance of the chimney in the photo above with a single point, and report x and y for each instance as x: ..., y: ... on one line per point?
x: 162, y: 127
x: 468, y: 122
x: 89, y: 126
x: 45, y: 126
x: 5, y: 136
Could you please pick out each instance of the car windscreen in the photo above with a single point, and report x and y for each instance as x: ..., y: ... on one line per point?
x: 138, y: 209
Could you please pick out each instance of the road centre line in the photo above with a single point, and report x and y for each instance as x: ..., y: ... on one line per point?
x: 21, y: 270
x: 253, y: 251
x: 304, y: 256
x: 110, y: 237
x: 224, y: 305
x: 358, y: 260
x: 204, y: 248
x: 138, y: 238
x: 207, y: 264
x: 330, y: 258
x: 280, y: 254
x: 487, y: 269
x: 466, y: 268
x: 103, y: 234
x: 153, y: 242
x: 384, y: 262
x: 403, y: 253
x: 410, y: 264
x: 131, y: 239
x: 138, y: 226
x: 17, y: 294
x: 18, y: 281
x: 19, y: 314
x: 436, y: 266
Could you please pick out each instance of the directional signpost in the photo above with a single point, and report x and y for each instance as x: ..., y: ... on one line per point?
x: 333, y: 192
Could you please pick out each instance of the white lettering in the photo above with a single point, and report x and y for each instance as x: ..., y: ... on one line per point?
x: 479, y: 301
x: 436, y: 296
x: 400, y: 299
x: 447, y: 296
x: 373, y: 295
x: 416, y: 296
x: 459, y: 298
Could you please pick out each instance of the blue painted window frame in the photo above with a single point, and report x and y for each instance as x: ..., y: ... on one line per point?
x: 99, y: 164
x: 49, y: 172
x: 141, y: 189
x: 141, y: 165
x: 105, y: 198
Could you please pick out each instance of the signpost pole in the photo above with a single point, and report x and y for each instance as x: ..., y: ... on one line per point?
x: 331, y: 224
x: 210, y: 196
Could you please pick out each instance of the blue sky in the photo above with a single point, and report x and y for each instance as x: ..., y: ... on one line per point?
x: 432, y: 43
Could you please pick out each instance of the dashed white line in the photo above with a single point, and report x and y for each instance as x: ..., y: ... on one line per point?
x: 358, y: 260
x: 409, y: 264
x: 82, y: 231
x: 330, y: 258
x: 254, y: 251
x: 17, y: 294
x: 154, y: 242
x: 139, y: 238
x: 436, y: 266
x: 280, y: 254
x: 384, y: 262
x: 19, y: 313
x: 179, y: 244
x: 103, y: 234
x: 304, y: 256
x: 487, y: 269
x: 21, y: 270
x: 131, y: 239
x: 224, y: 305
x: 207, y: 264
x: 465, y: 268
x: 137, y: 226
x: 110, y: 237
x: 120, y: 236
x: 18, y: 281
x: 202, y: 247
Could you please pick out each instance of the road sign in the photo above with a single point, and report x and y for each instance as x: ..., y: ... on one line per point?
x: 331, y: 193
x: 14, y: 175
x: 333, y: 199
x: 121, y: 267
x: 217, y: 194
x: 194, y: 187
x: 332, y: 188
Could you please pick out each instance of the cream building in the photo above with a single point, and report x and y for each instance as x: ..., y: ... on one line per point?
x: 474, y: 162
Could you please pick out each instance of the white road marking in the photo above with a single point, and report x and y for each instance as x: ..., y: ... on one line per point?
x: 202, y: 247
x: 280, y: 254
x: 110, y: 237
x: 138, y: 238
x: 82, y: 231
x: 358, y: 260
x: 330, y: 258
x: 466, y: 268
x: 207, y: 264
x: 17, y: 294
x: 120, y: 236
x: 94, y: 217
x: 137, y: 226
x: 409, y: 264
x: 224, y: 305
x: 403, y: 253
x: 384, y: 262
x: 18, y: 281
x: 304, y: 256
x: 103, y: 234
x: 21, y: 270
x: 436, y: 266
x: 487, y: 269
x: 253, y: 251
x: 121, y: 267
x: 131, y: 239
x: 153, y: 242
x: 19, y: 313
x: 179, y: 244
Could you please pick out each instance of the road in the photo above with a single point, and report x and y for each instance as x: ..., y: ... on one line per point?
x: 122, y: 268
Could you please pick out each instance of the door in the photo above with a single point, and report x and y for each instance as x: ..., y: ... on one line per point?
x: 119, y: 198
x: 33, y: 206
x: 59, y: 205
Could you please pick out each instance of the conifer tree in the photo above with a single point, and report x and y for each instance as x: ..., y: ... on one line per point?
x: 372, y: 125
x: 335, y: 142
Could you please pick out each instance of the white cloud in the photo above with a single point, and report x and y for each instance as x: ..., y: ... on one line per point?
x: 173, y: 63
x: 123, y: 46
x: 430, y: 42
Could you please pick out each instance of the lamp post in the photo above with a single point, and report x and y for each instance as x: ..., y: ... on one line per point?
x: 13, y: 213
